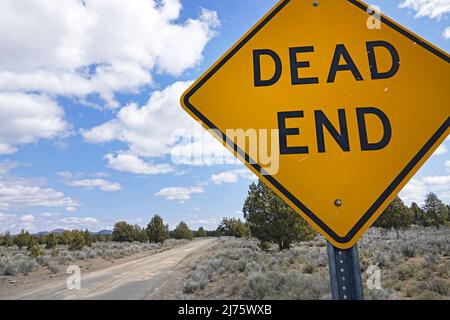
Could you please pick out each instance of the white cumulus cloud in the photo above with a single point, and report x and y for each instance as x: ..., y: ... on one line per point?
x: 87, y: 50
x: 427, y: 8
x: 19, y: 193
x: 155, y: 130
x: 178, y: 193
x: 232, y: 176
x: 27, y: 218
x: 147, y: 130
x: 75, y: 180
x: 26, y: 118
x: 131, y: 163
x: 101, y: 184
x: 442, y: 149
x: 79, y: 48
x: 446, y: 33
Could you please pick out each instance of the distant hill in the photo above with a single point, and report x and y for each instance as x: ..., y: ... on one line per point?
x: 58, y: 231
x: 41, y: 234
x: 104, y: 232
x: 61, y: 230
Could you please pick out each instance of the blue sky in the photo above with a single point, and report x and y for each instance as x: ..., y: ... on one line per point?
x: 89, y: 99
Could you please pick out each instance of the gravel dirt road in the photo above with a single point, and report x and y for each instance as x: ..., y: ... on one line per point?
x: 156, y: 276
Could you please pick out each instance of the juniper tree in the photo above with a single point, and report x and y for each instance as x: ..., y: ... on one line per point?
x: 182, y: 231
x: 233, y: 227
x: 396, y: 215
x: 123, y: 232
x: 157, y: 231
x: 201, y: 233
x: 435, y: 211
x: 271, y: 219
x: 22, y: 239
x: 51, y: 241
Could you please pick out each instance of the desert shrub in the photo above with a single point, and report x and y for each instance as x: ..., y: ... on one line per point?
x: 101, y: 238
x: 429, y: 295
x: 54, y: 252
x: 7, y: 267
x: 80, y: 255
x: 22, y: 239
x: 64, y: 237
x: 197, y: 280
x: 408, y: 250
x: 309, y: 268
x: 405, y: 272
x: 27, y: 265
x: 51, y: 241
x: 317, y: 258
x: 88, y: 239
x: 53, y: 266
x: 66, y: 256
x: 414, y: 288
x: 91, y: 254
x: 43, y: 260
x: 264, y: 245
x: 291, y: 256
x: 76, y: 241
x: 6, y: 240
x: 383, y: 259
x: 439, y: 286
x: 289, y: 285
x: 430, y: 260
x: 34, y: 249
x: 379, y: 294
x: 17, y: 264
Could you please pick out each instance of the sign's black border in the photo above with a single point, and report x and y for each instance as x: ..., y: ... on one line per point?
x: 347, y: 238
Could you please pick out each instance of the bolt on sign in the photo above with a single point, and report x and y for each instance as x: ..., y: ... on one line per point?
x: 357, y: 110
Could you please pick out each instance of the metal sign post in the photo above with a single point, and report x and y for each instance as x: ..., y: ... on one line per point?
x: 345, y: 273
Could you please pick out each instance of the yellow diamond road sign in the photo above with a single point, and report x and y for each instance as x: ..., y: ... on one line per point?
x: 357, y: 102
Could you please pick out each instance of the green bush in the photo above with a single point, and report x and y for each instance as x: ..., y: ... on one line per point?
x: 51, y: 241
x: 34, y: 249
x: 6, y: 240
x: 22, y: 239
x: 88, y: 239
x: 64, y: 237
x: 76, y: 241
x: 233, y: 227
